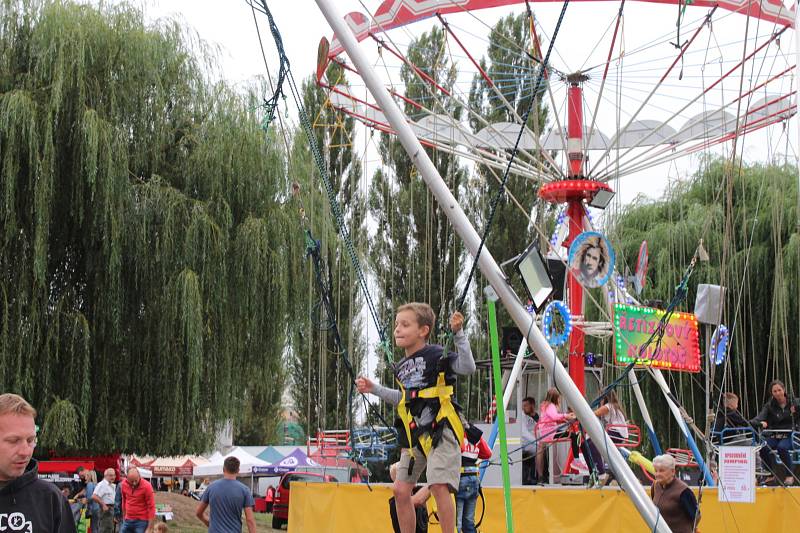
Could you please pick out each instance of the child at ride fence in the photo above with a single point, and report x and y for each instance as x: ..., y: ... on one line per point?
x: 419, y: 498
x: 430, y: 425
x: 614, y: 422
x: 549, y: 426
x: 473, y: 449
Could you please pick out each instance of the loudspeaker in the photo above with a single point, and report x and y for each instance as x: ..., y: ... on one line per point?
x: 708, y: 304
x: 558, y: 272
x: 512, y: 339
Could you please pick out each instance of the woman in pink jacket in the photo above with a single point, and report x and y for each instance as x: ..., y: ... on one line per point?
x: 550, y: 418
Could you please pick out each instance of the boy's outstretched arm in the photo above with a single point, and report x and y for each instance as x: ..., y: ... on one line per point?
x: 366, y: 385
x: 464, y: 363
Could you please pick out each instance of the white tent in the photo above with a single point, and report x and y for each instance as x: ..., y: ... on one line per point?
x: 214, y: 466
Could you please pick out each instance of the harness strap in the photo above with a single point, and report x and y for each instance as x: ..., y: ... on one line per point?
x: 447, y: 414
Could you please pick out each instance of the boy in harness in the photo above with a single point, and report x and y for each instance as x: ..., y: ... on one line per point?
x: 430, y: 427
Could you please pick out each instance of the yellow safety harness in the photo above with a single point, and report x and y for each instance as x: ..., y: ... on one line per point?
x: 447, y: 412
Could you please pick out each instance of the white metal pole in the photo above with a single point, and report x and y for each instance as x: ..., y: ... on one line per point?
x: 651, y: 430
x: 687, y: 432
x: 797, y: 100
x: 490, y: 269
x: 515, y: 370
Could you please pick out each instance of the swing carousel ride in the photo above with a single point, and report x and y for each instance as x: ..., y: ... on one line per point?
x: 596, y: 95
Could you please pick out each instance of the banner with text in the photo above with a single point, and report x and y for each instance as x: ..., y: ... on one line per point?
x: 737, y: 474
x: 679, y: 348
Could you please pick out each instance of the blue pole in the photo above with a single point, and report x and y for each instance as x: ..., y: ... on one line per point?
x: 651, y: 434
x: 697, y: 455
x: 492, y: 440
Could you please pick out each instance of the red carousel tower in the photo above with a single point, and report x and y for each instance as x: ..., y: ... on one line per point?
x: 574, y: 191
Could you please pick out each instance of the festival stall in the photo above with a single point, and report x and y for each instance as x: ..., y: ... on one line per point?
x: 297, y: 460
x: 271, y: 455
x: 342, y: 468
x: 182, y: 466
x: 144, y: 461
x: 214, y: 465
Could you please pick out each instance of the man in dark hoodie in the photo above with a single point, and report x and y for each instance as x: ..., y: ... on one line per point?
x: 27, y: 504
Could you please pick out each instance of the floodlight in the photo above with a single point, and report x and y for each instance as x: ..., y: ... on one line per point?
x: 601, y: 198
x: 490, y: 293
x: 535, y: 277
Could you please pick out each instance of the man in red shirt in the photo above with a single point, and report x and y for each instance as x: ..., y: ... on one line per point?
x: 138, y: 504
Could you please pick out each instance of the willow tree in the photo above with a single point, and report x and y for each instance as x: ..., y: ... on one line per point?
x: 746, y: 217
x: 145, y: 253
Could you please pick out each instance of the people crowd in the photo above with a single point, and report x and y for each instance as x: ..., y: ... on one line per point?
x: 776, y: 421
x: 434, y: 431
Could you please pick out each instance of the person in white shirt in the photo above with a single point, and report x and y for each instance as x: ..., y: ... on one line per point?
x: 104, y: 495
x: 529, y: 419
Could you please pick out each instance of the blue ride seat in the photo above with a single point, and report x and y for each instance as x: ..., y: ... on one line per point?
x: 374, y: 444
x: 735, y: 436
x: 794, y: 450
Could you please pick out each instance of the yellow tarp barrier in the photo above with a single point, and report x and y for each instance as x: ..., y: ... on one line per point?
x: 344, y: 508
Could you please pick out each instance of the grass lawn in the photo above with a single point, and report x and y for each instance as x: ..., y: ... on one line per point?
x: 186, y: 522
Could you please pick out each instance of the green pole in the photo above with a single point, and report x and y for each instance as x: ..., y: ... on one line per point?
x: 501, y: 416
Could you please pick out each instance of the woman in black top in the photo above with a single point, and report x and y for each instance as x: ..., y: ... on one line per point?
x: 778, y: 414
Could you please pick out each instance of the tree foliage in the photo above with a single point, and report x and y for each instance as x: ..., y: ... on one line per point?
x: 746, y: 216
x: 148, y: 265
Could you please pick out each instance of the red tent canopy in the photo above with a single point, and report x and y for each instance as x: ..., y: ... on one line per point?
x: 97, y: 462
x: 63, y: 466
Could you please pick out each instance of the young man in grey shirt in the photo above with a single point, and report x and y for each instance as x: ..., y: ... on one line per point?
x: 227, y: 498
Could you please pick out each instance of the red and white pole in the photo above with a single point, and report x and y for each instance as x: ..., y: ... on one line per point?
x: 575, y: 299
x: 575, y: 212
x: 575, y: 152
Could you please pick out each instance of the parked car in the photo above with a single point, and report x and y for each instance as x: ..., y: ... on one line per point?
x: 280, y: 509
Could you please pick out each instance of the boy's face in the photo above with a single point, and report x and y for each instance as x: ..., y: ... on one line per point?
x: 407, y: 331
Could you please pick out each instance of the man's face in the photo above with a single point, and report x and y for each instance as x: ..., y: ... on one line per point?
x: 110, y: 475
x: 527, y: 408
x: 17, y: 442
x: 591, y: 262
x: 133, y: 477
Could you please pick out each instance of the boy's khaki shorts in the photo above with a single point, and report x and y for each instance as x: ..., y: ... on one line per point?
x: 443, y: 464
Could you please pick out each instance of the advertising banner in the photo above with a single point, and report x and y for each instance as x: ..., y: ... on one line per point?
x: 678, y: 349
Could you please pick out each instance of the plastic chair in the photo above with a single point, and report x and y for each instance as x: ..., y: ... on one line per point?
x: 634, y: 438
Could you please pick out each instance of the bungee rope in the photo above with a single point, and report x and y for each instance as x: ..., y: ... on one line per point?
x: 288, y: 79
x: 501, y: 190
x: 313, y: 252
